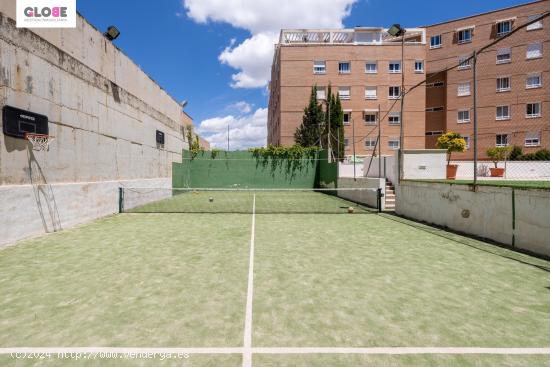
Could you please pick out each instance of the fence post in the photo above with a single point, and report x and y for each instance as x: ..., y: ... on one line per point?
x: 475, y: 116
x: 120, y: 200
x: 379, y: 199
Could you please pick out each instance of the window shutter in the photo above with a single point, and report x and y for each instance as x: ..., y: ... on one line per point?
x: 455, y: 37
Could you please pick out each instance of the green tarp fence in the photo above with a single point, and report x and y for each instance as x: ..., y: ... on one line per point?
x: 241, y: 169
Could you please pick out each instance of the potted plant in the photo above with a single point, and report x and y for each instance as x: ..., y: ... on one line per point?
x: 497, y: 154
x: 452, y: 142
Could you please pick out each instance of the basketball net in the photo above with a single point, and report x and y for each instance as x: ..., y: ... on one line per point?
x: 39, y: 141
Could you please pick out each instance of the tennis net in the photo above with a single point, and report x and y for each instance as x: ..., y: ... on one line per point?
x: 264, y: 201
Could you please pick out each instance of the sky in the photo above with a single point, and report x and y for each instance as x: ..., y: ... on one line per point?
x: 217, y: 54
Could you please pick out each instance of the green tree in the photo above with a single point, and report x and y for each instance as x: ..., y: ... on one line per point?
x: 309, y: 132
x: 452, y: 142
x: 498, y: 154
x: 334, y: 110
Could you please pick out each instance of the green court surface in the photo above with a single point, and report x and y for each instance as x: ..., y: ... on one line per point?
x: 181, y: 280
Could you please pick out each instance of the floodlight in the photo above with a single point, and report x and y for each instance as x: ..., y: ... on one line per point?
x: 112, y: 33
x: 396, y: 30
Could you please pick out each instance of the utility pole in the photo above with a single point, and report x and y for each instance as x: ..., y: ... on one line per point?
x: 353, y: 137
x: 329, y: 136
x: 475, y: 117
x: 228, y: 137
x: 379, y: 144
x: 401, y: 130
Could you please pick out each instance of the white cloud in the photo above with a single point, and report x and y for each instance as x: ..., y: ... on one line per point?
x: 241, y: 107
x: 264, y: 19
x: 245, y: 131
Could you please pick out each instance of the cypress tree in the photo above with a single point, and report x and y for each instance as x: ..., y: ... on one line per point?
x: 308, y: 133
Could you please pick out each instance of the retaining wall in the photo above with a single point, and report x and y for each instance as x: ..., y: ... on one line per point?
x: 367, y: 197
x: 514, y: 217
x: 29, y: 210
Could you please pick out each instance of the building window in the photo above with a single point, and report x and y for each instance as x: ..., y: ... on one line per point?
x: 371, y: 92
x: 534, y: 25
x: 434, y: 133
x: 321, y: 93
x: 464, y: 62
x: 437, y: 84
x: 463, y: 116
x: 467, y: 140
x: 504, y: 55
x: 371, y: 67
x: 465, y: 35
x: 393, y: 143
x: 394, y: 118
x: 532, y: 110
x: 347, y: 117
x: 435, y: 41
x: 504, y: 27
x: 346, y: 142
x: 370, y: 117
x: 370, y: 143
x: 395, y: 66
x: 503, y: 84
x: 434, y: 109
x: 394, y: 92
x: 419, y: 66
x: 319, y: 67
x: 503, y: 113
x: 502, y: 140
x: 463, y: 89
x: 533, y: 81
x: 534, y: 50
x: 344, y: 67
x: 344, y: 92
x: 532, y: 139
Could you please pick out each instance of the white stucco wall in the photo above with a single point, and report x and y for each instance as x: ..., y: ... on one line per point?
x: 515, y: 170
x: 487, y: 212
x: 424, y: 164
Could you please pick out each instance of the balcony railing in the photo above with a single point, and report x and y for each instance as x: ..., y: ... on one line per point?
x: 361, y: 36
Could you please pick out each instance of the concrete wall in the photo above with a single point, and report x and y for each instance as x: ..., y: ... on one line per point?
x: 388, y: 168
x: 367, y: 197
x: 28, y: 210
x: 487, y: 213
x: 103, y: 111
x: 346, y: 169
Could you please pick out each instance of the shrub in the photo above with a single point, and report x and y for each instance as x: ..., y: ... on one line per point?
x: 498, y: 154
x: 452, y: 142
x: 515, y: 153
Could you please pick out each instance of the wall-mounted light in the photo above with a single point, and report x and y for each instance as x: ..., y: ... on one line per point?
x: 112, y: 33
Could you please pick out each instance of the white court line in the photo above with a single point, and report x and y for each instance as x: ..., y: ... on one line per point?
x: 247, y: 354
x: 285, y: 350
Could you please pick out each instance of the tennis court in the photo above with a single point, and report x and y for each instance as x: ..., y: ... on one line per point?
x: 273, y: 278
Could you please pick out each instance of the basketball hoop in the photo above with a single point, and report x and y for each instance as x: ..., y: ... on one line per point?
x: 39, y: 141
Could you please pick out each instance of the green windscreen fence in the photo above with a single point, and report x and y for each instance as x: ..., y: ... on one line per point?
x: 241, y: 169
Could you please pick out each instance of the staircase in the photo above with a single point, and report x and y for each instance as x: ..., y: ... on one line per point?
x: 390, y: 196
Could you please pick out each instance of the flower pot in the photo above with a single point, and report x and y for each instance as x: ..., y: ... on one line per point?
x: 451, y: 171
x: 497, y: 172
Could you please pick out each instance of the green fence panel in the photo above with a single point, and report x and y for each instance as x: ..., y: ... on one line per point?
x: 327, y: 172
x: 240, y: 169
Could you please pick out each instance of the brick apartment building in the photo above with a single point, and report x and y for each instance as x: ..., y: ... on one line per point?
x: 363, y: 65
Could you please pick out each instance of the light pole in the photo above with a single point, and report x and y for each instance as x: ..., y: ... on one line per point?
x: 329, y: 147
x: 397, y: 31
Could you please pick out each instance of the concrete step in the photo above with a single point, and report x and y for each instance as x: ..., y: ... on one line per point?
x: 390, y: 192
